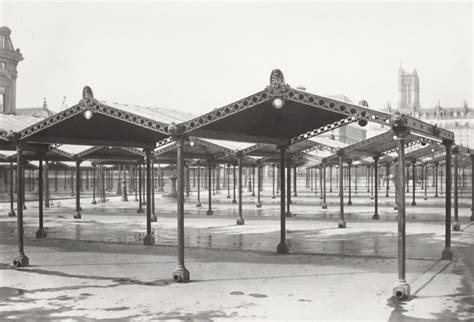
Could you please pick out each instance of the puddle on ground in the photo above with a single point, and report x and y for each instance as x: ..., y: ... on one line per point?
x: 6, y: 292
x: 237, y: 293
x: 257, y: 295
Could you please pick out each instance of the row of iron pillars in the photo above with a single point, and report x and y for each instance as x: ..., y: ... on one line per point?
x: 181, y: 274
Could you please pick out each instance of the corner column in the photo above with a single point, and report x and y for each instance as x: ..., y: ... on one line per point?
x: 21, y: 260
x: 180, y: 274
x: 447, y: 253
x: 401, y: 290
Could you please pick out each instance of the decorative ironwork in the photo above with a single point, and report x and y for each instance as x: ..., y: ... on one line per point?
x: 323, y: 129
x: 90, y: 103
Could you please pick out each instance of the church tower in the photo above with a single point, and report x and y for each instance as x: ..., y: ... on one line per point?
x: 9, y: 59
x: 408, y: 92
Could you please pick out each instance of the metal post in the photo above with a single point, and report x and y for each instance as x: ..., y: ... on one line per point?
x: 349, y: 163
x: 93, y: 183
x: 40, y: 233
x: 11, y: 213
x: 140, y: 209
x: 413, y: 178
x: 153, y: 216
x: 282, y: 247
x: 376, y: 190
x: 401, y: 290
x: 387, y: 175
x: 228, y: 181
x: 21, y: 260
x: 447, y: 253
x: 341, y: 223
x: 198, y: 204
x: 288, y: 188
x: 355, y: 179
x: 78, y: 190
x: 294, y: 182
x: 273, y: 181
x: 371, y: 174
x: 259, y: 183
x: 456, y: 225
x: 240, y: 220
x: 322, y: 177
x: 330, y: 178
x: 436, y: 179
x: 425, y: 179
x: 180, y: 274
x: 253, y: 181
x: 46, y: 184
x: 234, y: 180
x: 149, y: 239
x: 210, y: 177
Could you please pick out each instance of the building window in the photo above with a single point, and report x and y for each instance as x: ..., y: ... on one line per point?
x: 2, y: 41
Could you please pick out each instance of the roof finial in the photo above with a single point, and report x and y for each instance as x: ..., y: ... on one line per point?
x: 45, y: 103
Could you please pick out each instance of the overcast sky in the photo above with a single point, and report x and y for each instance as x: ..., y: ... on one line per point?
x: 202, y: 55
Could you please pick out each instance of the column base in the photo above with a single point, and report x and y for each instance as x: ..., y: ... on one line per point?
x: 21, y: 261
x: 273, y: 197
x: 401, y: 291
x: 425, y: 198
x: 283, y: 248
x: 228, y: 196
x: 376, y: 217
x: 11, y: 213
x: 472, y: 217
x: 140, y: 210
x: 124, y: 199
x: 386, y: 196
x: 253, y: 194
x: 395, y: 208
x: 325, y: 206
x: 291, y: 202
x: 210, y: 212
x: 341, y: 224
x: 240, y: 221
x: 24, y: 207
x: 259, y: 205
x: 234, y: 201
x: 447, y: 254
x: 349, y: 203
x: 288, y: 214
x: 413, y: 203
x: 136, y: 200
x: 149, y: 240
x: 295, y: 195
x: 143, y: 203
x: 77, y: 215
x: 371, y: 198
x: 153, y: 218
x: 321, y: 197
x: 198, y: 204
x: 41, y: 233
x: 456, y: 226
x: 181, y: 275
x: 94, y: 202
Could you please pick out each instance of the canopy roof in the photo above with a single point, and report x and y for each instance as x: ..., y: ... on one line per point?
x: 283, y: 115
x: 96, y: 123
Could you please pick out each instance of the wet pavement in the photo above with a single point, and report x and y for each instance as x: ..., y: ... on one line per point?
x: 85, y: 268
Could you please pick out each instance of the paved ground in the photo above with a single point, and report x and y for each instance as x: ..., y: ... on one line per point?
x: 97, y: 267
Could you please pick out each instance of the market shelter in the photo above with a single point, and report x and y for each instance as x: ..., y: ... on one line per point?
x: 95, y: 123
